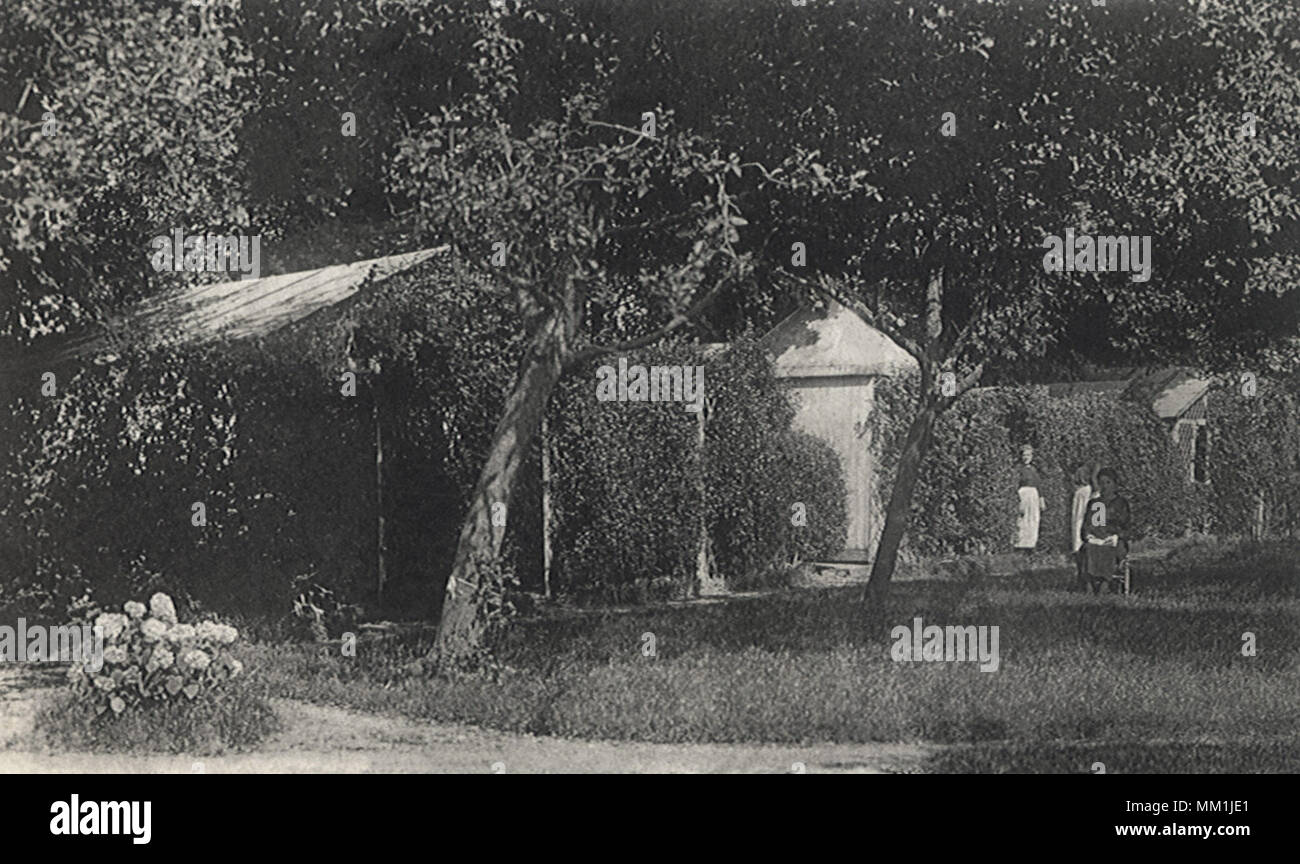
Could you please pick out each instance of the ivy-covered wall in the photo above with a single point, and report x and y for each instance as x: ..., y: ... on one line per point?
x: 633, y: 485
x: 966, y: 496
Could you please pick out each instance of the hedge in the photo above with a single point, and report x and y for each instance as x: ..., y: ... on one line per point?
x: 98, y: 482
x: 966, y: 501
x: 632, y: 486
x: 102, y: 482
x: 1254, y: 453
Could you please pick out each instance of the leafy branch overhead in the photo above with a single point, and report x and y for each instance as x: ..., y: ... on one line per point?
x: 637, y: 230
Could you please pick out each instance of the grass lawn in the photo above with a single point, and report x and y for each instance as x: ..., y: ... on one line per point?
x: 1152, y: 682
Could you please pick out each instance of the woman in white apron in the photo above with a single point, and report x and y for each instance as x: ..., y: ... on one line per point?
x: 1031, y: 503
x: 1083, y: 492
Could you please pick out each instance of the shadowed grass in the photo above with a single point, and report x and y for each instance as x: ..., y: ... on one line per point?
x: 1280, y: 756
x: 809, y: 667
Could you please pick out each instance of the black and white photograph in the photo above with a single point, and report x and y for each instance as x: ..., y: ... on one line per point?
x: 651, y: 387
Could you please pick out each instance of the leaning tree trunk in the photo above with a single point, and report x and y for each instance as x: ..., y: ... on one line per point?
x: 899, y: 510
x: 463, y: 625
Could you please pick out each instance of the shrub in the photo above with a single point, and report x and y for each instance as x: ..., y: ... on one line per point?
x: 965, y: 498
x: 231, y: 719
x: 1254, y: 455
x: 97, y: 482
x: 181, y: 678
x: 99, y: 490
x: 150, y: 657
x: 626, y: 490
x: 757, y: 468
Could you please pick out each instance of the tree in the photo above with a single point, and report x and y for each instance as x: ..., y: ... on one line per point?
x: 117, y: 124
x: 1118, y: 157
x: 581, y: 221
x: 940, y: 147
x: 977, y: 130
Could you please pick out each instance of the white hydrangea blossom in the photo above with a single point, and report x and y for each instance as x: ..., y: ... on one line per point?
x: 152, y: 629
x: 162, y: 607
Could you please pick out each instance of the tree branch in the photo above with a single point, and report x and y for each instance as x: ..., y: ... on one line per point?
x: 628, y: 129
x: 953, y: 352
x: 934, y: 311
x: 863, y: 311
x: 593, y: 351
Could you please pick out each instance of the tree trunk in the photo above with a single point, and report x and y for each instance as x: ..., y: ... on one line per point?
x: 899, y: 510
x: 547, y: 517
x: 464, y: 620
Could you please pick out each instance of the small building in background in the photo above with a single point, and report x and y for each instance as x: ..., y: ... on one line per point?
x: 832, y: 360
x: 1176, y: 395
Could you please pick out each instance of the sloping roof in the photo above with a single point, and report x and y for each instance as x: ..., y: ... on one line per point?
x: 232, y: 310
x: 830, y: 340
x: 1169, y: 392
x: 256, y: 307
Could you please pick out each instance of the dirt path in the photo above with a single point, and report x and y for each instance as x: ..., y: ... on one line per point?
x: 320, y: 739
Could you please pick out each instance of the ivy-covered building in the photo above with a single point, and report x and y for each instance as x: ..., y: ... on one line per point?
x: 1178, y: 396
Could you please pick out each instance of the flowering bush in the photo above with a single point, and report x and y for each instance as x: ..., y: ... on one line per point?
x: 150, y: 657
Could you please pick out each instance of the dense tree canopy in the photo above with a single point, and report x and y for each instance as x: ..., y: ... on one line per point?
x: 608, y: 173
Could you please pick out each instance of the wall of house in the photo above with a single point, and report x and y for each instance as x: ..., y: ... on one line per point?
x: 835, y: 410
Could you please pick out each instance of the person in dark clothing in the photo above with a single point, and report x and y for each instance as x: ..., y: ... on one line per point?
x: 1106, y: 534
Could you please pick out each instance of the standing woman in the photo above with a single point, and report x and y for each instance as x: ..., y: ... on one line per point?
x: 1031, y: 502
x: 1083, y: 491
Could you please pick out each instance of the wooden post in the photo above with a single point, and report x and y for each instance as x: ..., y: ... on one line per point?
x: 546, y: 509
x: 702, y: 549
x: 379, y: 484
x: 707, y: 583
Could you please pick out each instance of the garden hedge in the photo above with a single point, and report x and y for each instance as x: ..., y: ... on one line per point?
x: 98, y: 481
x: 966, y: 499
x: 633, y: 487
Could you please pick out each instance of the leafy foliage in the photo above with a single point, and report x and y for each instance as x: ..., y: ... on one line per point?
x: 278, y: 463
x: 119, y: 123
x: 634, y: 490
x: 1253, y: 458
x: 757, y: 468
x: 150, y: 657
x: 965, y: 499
